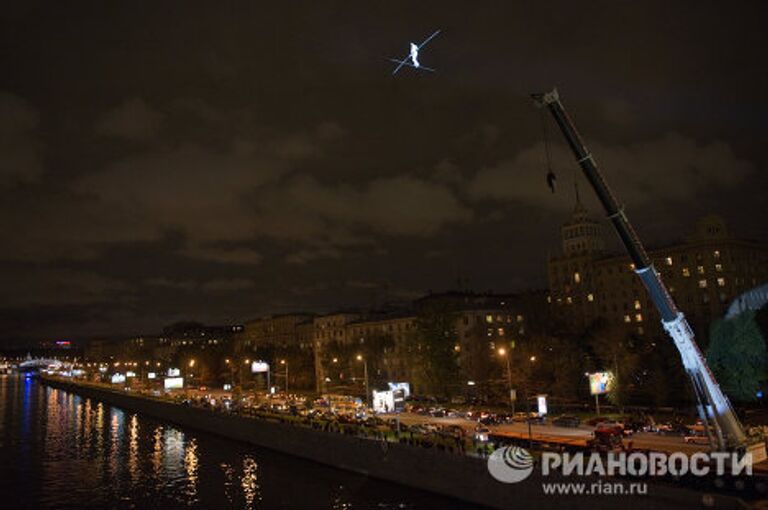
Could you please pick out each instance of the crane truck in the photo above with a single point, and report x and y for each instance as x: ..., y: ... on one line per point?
x: 722, y: 426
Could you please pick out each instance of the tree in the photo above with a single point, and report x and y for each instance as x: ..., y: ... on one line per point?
x: 738, y: 356
x: 613, y: 350
x: 437, y: 368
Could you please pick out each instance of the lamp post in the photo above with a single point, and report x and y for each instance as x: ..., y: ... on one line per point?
x: 228, y: 362
x: 503, y: 352
x: 285, y: 363
x: 365, y: 371
x: 191, y: 366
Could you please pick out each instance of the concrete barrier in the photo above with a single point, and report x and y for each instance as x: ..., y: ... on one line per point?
x: 458, y: 476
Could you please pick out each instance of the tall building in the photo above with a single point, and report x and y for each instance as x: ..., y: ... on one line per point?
x: 704, y: 273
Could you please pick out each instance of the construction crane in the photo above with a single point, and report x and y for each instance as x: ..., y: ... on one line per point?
x: 715, y: 411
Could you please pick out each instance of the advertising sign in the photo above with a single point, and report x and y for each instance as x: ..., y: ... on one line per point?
x: 406, y: 387
x: 541, y: 400
x: 118, y: 378
x: 600, y: 383
x: 174, y: 372
x: 151, y: 375
x: 258, y: 367
x: 130, y: 374
x: 399, y: 399
x: 383, y: 401
x: 172, y: 383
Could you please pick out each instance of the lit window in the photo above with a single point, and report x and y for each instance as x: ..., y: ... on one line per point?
x: 519, y: 318
x: 590, y: 297
x: 637, y: 304
x: 489, y: 332
x: 700, y: 269
x: 549, y: 299
x: 639, y: 317
x: 702, y: 284
x: 501, y: 331
x: 719, y: 268
x: 686, y: 272
x: 457, y: 348
x: 716, y: 254
x: 576, y: 277
x: 668, y: 261
x: 631, y: 267
x: 569, y: 300
x: 627, y: 318
x: 640, y: 330
x: 721, y: 282
x: 489, y: 319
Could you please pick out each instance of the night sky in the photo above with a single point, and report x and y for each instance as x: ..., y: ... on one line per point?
x: 163, y: 161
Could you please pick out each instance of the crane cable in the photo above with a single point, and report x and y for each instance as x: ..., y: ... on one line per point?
x: 551, y: 177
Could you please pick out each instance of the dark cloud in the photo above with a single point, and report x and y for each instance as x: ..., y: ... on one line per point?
x: 673, y: 167
x: 162, y: 162
x: 133, y: 120
x: 21, y: 159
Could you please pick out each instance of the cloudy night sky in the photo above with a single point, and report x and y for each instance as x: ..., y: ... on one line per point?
x: 163, y: 161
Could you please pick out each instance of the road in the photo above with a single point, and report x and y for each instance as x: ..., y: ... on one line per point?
x: 642, y: 440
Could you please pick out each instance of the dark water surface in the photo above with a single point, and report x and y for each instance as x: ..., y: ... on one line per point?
x: 58, y: 450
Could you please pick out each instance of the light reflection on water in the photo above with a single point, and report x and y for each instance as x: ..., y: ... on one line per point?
x: 58, y: 450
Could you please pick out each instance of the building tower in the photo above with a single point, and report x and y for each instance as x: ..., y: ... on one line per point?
x: 581, y: 234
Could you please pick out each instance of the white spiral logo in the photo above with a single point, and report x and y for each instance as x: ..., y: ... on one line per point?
x: 510, y: 464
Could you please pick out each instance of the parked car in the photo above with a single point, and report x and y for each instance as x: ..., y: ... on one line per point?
x: 481, y: 433
x: 614, y: 426
x: 696, y: 434
x: 567, y: 420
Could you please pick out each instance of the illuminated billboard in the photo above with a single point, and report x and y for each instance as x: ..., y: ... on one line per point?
x: 383, y: 401
x: 600, y: 383
x: 118, y: 378
x: 151, y: 375
x: 173, y: 383
x: 174, y: 372
x: 541, y: 403
x: 406, y: 387
x: 258, y: 367
x: 130, y: 374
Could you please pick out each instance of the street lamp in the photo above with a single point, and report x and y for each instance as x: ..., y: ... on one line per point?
x: 503, y: 352
x: 283, y: 362
x: 365, y: 369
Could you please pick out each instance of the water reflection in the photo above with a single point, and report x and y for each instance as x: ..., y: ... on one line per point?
x: 71, y: 452
x: 133, y: 450
x: 250, y: 481
x: 190, y: 465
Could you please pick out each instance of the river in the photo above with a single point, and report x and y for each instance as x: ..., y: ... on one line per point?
x: 59, y: 450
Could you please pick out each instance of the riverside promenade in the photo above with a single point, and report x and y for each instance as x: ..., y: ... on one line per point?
x: 461, y: 476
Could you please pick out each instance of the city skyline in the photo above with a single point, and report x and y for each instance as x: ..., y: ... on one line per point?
x: 226, y: 166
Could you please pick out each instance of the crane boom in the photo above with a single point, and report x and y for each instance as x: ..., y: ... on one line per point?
x: 714, y: 409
